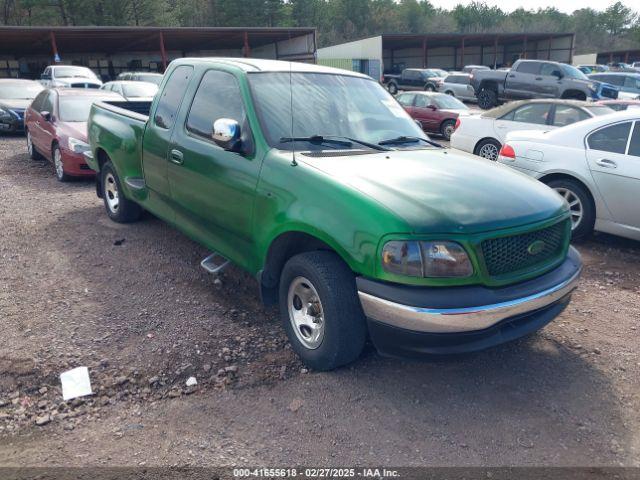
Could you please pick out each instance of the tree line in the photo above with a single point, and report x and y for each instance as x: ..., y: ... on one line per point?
x: 617, y: 27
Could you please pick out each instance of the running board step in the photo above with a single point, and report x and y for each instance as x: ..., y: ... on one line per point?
x: 214, y: 263
x: 136, y: 183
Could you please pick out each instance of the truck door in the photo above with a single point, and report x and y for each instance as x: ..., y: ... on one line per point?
x: 157, y: 136
x: 521, y: 79
x: 549, y: 84
x: 213, y: 190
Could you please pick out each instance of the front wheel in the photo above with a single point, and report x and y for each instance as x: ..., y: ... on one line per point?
x: 321, y: 311
x: 119, y: 208
x: 489, y: 149
x: 58, y: 165
x: 583, y: 215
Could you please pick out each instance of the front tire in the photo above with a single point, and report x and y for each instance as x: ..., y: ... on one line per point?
x: 119, y: 208
x: 583, y: 213
x: 33, y: 153
x: 488, y: 148
x: 321, y: 311
x: 487, y: 99
x: 58, y: 165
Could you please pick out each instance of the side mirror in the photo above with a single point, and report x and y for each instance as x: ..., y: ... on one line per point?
x: 557, y: 73
x: 226, y: 134
x: 46, y: 115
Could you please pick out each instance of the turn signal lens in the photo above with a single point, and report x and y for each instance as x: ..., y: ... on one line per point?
x: 507, y: 151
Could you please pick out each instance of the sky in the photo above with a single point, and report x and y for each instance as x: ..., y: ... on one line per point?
x: 563, y: 6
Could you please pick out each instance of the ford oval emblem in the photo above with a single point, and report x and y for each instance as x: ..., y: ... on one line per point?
x: 536, y: 247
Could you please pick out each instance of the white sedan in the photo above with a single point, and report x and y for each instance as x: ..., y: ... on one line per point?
x: 594, y: 165
x: 484, y: 134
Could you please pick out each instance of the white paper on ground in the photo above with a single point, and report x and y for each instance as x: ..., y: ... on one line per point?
x: 75, y: 383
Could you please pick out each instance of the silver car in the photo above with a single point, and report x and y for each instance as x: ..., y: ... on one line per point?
x: 458, y: 85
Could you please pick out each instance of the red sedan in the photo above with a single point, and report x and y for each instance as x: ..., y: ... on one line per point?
x: 56, y: 127
x: 436, y: 112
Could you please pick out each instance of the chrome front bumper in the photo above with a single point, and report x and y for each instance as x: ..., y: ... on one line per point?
x: 455, y: 320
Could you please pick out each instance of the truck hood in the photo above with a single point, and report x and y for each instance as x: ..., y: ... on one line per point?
x: 439, y: 191
x: 65, y: 82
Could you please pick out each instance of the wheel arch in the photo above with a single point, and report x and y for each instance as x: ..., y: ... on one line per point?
x: 475, y: 147
x: 285, y: 245
x: 548, y: 177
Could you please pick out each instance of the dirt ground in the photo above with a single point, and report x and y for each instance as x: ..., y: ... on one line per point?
x: 131, y: 303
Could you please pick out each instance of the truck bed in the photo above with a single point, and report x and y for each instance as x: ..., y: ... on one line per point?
x: 140, y: 108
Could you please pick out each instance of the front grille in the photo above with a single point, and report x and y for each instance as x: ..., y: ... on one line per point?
x: 84, y: 85
x: 609, y: 92
x: 515, y: 253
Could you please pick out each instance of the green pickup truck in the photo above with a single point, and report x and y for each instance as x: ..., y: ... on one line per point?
x: 315, y: 181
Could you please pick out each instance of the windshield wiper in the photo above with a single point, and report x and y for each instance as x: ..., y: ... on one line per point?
x: 332, y: 139
x: 404, y: 139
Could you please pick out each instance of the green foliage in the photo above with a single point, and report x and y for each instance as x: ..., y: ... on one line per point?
x: 337, y: 20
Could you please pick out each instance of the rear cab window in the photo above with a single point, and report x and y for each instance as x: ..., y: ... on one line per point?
x: 529, y: 67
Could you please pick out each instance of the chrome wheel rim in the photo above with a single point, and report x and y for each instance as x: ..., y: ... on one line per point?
x: 575, y: 206
x: 57, y: 163
x: 306, y: 313
x: 488, y: 151
x: 111, y: 192
x: 29, y: 144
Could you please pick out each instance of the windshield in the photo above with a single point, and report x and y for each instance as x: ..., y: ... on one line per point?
x: 20, y: 91
x: 448, y: 102
x: 76, y: 109
x: 573, y: 72
x: 139, y: 89
x: 157, y: 79
x: 328, y: 105
x: 73, y: 72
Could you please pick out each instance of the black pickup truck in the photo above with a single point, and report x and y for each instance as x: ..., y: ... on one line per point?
x: 537, y: 79
x: 415, y: 79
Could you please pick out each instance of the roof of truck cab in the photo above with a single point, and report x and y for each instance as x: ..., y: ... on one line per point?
x: 260, y: 65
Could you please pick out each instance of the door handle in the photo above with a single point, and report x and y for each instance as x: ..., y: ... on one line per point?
x: 606, y: 163
x: 512, y: 75
x: 539, y: 78
x: 176, y: 157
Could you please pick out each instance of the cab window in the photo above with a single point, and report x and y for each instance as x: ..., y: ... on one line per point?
x: 529, y: 67
x: 610, y: 139
x: 171, y: 97
x: 218, y: 96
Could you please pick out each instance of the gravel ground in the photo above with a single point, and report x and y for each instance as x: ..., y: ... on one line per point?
x: 131, y: 303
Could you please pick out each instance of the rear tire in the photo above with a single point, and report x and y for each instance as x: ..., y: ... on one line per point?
x: 321, y: 311
x: 119, y: 208
x: 488, y: 148
x: 583, y: 212
x: 447, y: 128
x: 392, y: 87
x: 449, y: 92
x: 430, y: 87
x: 487, y: 99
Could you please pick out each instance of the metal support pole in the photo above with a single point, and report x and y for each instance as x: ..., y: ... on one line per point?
x: 462, y: 54
x: 524, y: 47
x: 573, y: 43
x: 549, y: 49
x: 54, y: 47
x: 246, y: 49
x: 424, y: 52
x: 163, y: 52
x: 495, y: 53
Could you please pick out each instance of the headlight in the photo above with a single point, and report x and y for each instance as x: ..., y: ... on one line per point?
x: 77, y: 146
x: 426, y: 259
